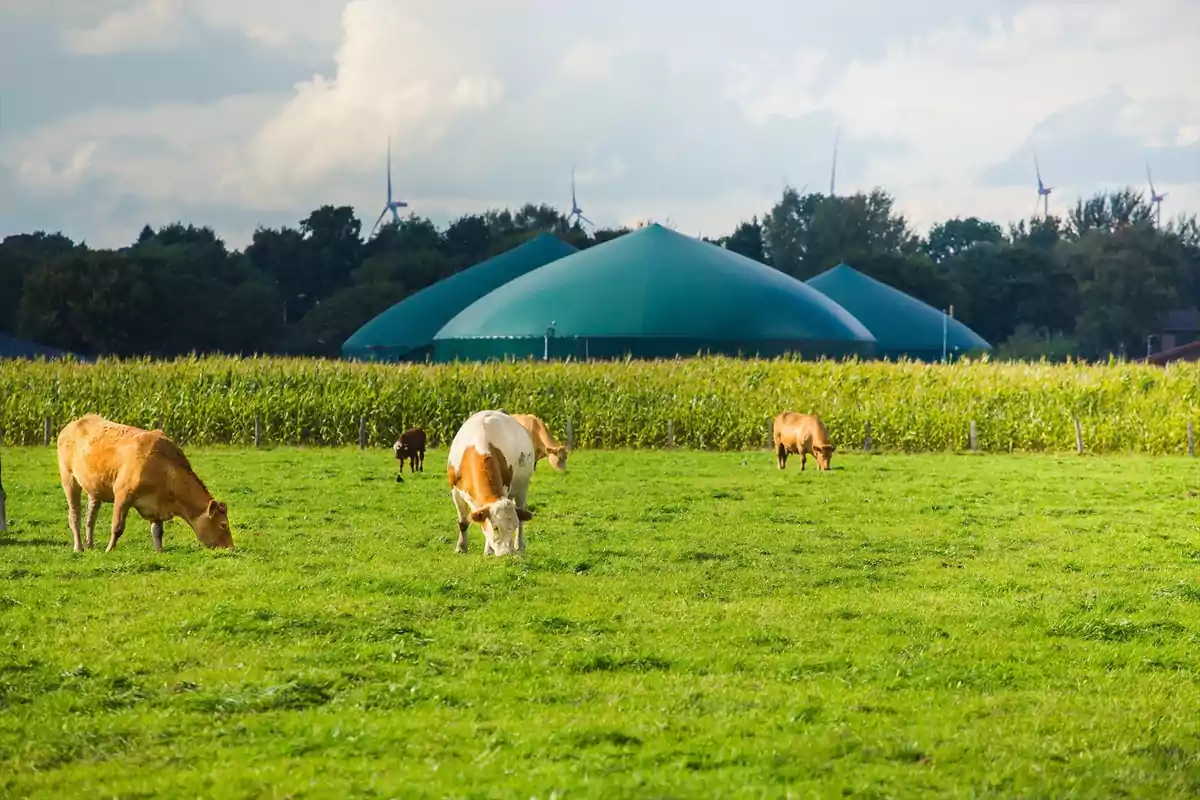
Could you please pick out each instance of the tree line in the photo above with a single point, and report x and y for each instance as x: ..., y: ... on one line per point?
x: 1095, y: 282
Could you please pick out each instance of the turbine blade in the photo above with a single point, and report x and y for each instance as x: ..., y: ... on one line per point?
x: 381, y: 213
x: 588, y: 221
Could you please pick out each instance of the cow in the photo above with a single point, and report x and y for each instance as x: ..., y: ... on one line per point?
x: 544, y: 445
x: 803, y: 434
x: 135, y: 469
x: 410, y: 445
x: 489, y: 467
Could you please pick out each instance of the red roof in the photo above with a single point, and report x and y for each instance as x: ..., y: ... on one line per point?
x: 1185, y: 352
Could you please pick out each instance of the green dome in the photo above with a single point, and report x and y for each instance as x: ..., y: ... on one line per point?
x: 903, y: 326
x: 653, y: 293
x: 406, y: 329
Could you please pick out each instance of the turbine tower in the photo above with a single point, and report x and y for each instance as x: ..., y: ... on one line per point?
x: 576, y: 211
x: 833, y: 172
x: 391, y: 205
x: 1043, y: 190
x: 1155, y: 199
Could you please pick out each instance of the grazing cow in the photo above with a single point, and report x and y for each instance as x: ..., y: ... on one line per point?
x: 544, y: 445
x: 490, y: 464
x: 134, y: 468
x: 801, y: 433
x: 410, y: 445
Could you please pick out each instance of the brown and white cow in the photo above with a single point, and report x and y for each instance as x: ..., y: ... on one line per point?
x: 801, y: 434
x: 489, y: 467
x: 134, y: 469
x: 544, y: 445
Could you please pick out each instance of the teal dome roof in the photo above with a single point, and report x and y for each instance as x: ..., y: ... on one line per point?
x: 903, y: 325
x: 407, y: 328
x: 652, y: 293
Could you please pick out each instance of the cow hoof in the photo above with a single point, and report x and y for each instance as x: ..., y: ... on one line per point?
x: 399, y: 479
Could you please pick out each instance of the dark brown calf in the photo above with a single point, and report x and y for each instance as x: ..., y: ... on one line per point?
x: 411, y: 446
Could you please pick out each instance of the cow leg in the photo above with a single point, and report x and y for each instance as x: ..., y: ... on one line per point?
x: 781, y: 455
x: 121, y: 506
x: 464, y: 521
x: 421, y: 460
x: 156, y: 533
x: 74, y: 494
x: 520, y: 496
x: 803, y: 459
x: 93, y: 511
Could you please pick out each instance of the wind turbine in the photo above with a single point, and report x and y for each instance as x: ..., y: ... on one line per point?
x: 576, y: 211
x: 1155, y: 199
x: 1043, y: 190
x: 391, y: 204
x: 833, y: 172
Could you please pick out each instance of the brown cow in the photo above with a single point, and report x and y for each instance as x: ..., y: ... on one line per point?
x: 139, y: 469
x: 801, y: 433
x: 410, y: 445
x: 544, y: 445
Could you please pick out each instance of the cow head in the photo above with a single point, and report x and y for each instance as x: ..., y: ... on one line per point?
x: 824, y: 454
x: 557, y: 456
x: 212, y: 526
x: 500, y: 522
x: 400, y: 449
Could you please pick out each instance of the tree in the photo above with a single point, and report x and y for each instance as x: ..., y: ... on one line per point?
x: 746, y: 240
x: 956, y: 235
x: 19, y: 255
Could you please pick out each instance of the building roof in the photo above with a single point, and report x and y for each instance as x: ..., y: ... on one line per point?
x: 11, y: 347
x: 1183, y: 320
x: 1184, y: 352
x: 654, y: 293
x: 409, y: 326
x: 902, y: 324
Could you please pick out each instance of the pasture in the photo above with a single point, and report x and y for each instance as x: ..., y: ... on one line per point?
x: 684, y: 624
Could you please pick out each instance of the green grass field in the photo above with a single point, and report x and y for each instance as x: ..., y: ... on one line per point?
x: 683, y: 625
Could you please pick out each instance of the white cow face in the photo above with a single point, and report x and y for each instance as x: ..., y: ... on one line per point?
x: 500, y: 522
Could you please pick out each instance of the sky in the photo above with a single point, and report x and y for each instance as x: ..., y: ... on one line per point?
x: 245, y: 113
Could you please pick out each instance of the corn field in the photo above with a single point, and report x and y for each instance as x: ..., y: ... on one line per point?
x: 711, y: 403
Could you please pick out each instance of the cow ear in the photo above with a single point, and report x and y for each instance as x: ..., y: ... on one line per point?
x: 214, y: 508
x: 479, y: 515
x: 524, y: 514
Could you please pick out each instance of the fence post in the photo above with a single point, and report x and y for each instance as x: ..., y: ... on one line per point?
x: 1078, y: 437
x: 974, y: 441
x: 158, y: 423
x: 867, y: 440
x: 570, y: 435
x: 49, y: 428
x: 1191, y: 441
x: 3, y: 502
x: 362, y: 433
x: 670, y: 433
x: 257, y: 431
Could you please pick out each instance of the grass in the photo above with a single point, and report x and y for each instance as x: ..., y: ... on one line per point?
x: 683, y: 625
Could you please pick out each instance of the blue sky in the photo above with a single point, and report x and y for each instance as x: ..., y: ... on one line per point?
x: 237, y: 113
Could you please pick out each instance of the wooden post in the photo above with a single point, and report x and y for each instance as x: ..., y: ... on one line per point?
x: 670, y: 433
x: 1191, y: 441
x: 1078, y: 437
x: 867, y: 440
x: 362, y: 433
x: 158, y: 423
x: 257, y: 431
x: 3, y: 502
x: 974, y: 441
x: 49, y: 430
x: 570, y: 435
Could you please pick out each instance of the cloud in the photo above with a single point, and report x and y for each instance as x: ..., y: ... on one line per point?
x: 149, y: 25
x: 699, y: 119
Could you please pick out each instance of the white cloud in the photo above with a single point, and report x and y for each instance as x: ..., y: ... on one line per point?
x: 149, y: 25
x: 695, y: 119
